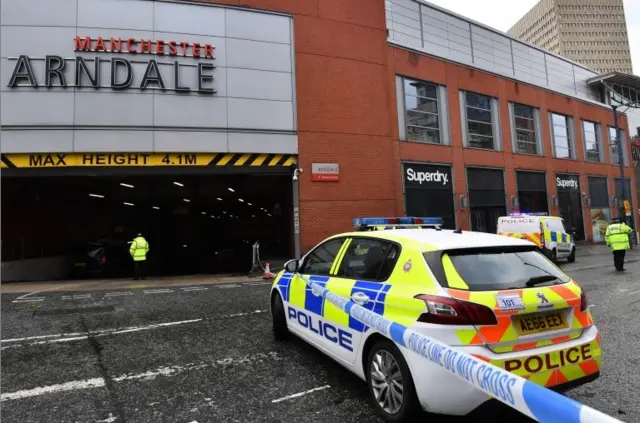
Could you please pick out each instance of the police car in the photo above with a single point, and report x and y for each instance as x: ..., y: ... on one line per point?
x: 497, y: 298
x: 547, y: 232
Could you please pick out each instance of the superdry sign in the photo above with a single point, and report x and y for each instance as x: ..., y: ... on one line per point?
x: 567, y: 182
x: 427, y: 176
x: 160, y: 72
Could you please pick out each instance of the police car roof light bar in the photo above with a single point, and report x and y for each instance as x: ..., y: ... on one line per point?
x: 363, y: 222
x: 529, y: 214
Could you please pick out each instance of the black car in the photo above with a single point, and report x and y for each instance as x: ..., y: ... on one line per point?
x: 104, y: 258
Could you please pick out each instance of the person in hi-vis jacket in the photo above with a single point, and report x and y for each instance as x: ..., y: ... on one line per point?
x: 138, y: 250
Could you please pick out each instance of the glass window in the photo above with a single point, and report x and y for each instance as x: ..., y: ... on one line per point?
x: 561, y: 136
x: 615, y: 157
x: 525, y: 129
x: 479, y: 121
x: 491, y: 269
x: 591, y: 141
x: 369, y: 259
x: 320, y: 260
x: 421, y: 106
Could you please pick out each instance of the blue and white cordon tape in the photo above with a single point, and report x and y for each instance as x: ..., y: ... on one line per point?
x: 533, y: 400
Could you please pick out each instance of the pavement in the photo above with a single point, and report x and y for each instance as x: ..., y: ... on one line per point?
x: 204, y: 352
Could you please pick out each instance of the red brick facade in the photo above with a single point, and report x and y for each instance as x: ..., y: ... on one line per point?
x: 346, y: 98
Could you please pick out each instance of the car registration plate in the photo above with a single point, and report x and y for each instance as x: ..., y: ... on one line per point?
x: 538, y: 323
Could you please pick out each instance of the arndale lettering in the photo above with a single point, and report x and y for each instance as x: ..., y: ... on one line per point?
x: 85, y: 72
x: 420, y: 177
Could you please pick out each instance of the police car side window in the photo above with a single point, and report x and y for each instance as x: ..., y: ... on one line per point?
x: 369, y: 259
x: 320, y: 260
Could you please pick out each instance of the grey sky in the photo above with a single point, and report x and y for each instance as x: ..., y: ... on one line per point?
x: 502, y: 14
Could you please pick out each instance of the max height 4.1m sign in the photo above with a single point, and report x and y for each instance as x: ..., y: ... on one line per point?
x: 86, y: 72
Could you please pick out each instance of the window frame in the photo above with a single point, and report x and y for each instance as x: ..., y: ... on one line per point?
x: 598, y: 134
x: 570, y: 136
x: 367, y: 238
x: 537, y: 129
x: 612, y: 145
x: 495, y: 120
x: 304, y: 261
x: 403, y: 111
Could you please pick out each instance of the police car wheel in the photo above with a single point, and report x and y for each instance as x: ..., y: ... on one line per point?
x: 572, y: 256
x: 280, y: 329
x: 390, y: 383
x: 554, y: 255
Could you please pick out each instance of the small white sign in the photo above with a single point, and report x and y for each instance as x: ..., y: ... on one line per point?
x: 509, y: 302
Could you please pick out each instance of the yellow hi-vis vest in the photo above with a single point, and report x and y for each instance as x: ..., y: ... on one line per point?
x: 139, y: 249
x: 617, y: 236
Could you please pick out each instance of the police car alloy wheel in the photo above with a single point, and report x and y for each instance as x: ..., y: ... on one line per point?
x: 390, y: 383
x: 279, y: 319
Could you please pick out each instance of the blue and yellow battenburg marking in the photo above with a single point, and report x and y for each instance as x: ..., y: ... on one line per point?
x: 529, y: 398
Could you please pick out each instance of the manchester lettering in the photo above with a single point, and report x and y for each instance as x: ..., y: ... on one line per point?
x: 135, y: 46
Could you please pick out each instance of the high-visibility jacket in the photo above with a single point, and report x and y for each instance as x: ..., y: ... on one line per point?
x: 617, y: 236
x: 139, y: 249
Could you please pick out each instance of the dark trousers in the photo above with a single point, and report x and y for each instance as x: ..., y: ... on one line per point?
x: 618, y: 259
x: 139, y: 268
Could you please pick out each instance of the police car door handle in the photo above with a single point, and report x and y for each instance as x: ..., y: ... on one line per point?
x: 360, y: 298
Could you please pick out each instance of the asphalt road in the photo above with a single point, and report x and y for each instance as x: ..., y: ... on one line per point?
x: 205, y: 353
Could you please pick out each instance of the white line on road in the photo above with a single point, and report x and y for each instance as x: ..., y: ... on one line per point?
x: 118, y: 294
x: 28, y: 300
x: 228, y: 286
x: 299, y: 394
x: 258, y: 283
x: 97, y: 382
x: 69, y: 337
x: 77, y: 297
x: 194, y: 288
x: 157, y: 291
x: 145, y: 376
x: 634, y: 292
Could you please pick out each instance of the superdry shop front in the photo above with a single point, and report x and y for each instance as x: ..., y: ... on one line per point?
x: 429, y: 191
x: 569, y: 202
x: 171, y: 119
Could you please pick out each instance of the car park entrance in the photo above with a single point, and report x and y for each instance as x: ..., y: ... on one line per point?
x: 74, y: 215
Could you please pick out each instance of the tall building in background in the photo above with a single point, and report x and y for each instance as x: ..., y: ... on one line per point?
x: 590, y: 32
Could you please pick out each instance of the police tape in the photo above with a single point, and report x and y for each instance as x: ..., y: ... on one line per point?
x: 531, y: 399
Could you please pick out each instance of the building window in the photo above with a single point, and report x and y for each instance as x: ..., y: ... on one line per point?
x: 562, y: 136
x: 480, y: 121
x: 422, y: 111
x: 592, y: 142
x: 421, y: 105
x: 525, y: 129
x: 615, y: 157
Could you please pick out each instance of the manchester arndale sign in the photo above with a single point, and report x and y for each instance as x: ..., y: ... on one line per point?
x: 162, y: 70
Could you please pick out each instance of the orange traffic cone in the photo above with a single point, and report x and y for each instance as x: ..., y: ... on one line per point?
x: 267, y: 272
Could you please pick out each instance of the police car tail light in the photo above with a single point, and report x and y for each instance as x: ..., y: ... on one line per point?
x: 583, y: 301
x: 449, y: 311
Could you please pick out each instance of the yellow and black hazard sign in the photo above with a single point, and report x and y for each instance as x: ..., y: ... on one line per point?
x: 53, y: 160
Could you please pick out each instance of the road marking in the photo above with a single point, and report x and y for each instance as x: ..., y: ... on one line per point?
x: 194, y: 288
x: 75, y: 385
x: 228, y: 286
x: 634, y: 292
x: 28, y: 300
x: 258, y: 283
x: 118, y: 294
x: 109, y: 419
x: 77, y: 297
x: 299, y: 394
x: 157, y: 291
x: 69, y: 337
x: 145, y: 376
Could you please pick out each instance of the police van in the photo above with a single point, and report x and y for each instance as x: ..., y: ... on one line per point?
x: 547, y: 232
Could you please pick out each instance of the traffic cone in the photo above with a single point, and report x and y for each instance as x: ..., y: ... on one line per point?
x: 267, y: 272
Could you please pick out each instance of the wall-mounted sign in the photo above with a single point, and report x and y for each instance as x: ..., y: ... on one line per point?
x: 427, y: 176
x: 86, y: 73
x: 567, y: 182
x: 325, y: 172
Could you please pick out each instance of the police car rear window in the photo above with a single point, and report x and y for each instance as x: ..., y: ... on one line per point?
x: 492, y: 269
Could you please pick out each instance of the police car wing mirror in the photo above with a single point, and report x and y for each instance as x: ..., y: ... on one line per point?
x: 292, y: 266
